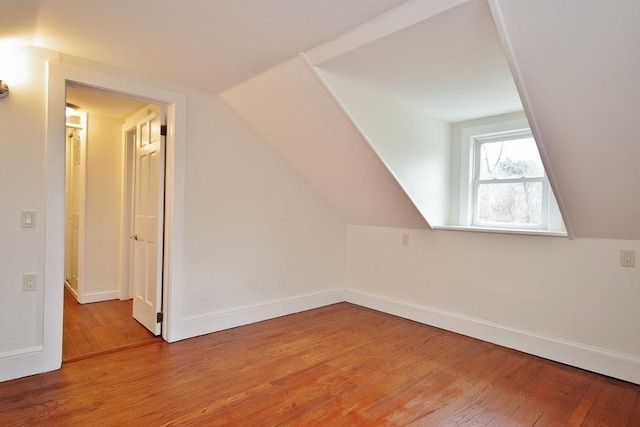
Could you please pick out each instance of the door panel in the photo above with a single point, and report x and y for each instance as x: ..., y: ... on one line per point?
x: 148, y: 220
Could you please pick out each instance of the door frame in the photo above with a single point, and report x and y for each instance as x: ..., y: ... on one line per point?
x: 58, y: 75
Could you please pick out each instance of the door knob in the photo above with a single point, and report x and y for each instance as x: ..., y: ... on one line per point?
x: 134, y: 237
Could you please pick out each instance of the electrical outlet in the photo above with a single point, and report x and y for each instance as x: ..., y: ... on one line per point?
x: 29, y: 282
x: 627, y: 258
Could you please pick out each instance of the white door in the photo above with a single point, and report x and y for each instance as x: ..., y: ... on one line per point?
x: 74, y: 162
x: 148, y: 220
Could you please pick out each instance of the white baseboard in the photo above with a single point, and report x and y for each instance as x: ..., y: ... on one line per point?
x: 602, y: 361
x: 98, y: 297
x: 218, y: 321
x: 20, y: 363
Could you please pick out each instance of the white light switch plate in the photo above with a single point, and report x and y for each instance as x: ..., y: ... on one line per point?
x: 28, y: 219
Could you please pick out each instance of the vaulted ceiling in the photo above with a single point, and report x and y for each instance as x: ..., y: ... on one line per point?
x: 575, y: 62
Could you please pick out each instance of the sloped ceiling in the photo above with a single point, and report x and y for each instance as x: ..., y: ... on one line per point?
x: 206, y: 44
x: 578, y: 63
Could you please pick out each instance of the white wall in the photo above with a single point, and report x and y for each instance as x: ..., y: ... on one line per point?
x: 254, y: 231
x: 258, y: 241
x: 22, y: 175
x: 103, y: 209
x: 414, y: 145
x: 567, y: 300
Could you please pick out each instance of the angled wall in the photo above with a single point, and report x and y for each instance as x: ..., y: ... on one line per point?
x: 297, y: 117
x: 414, y: 145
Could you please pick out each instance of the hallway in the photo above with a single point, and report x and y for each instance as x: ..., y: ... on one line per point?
x: 99, y: 328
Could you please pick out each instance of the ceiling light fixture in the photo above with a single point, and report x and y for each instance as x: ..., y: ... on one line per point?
x: 71, y: 110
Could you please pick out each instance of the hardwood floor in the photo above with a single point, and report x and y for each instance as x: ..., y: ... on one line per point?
x: 91, y: 329
x: 340, y: 365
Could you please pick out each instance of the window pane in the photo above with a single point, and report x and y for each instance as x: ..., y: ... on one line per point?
x: 515, y: 158
x: 515, y: 203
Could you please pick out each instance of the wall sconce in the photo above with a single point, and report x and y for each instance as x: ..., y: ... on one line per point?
x: 4, y: 89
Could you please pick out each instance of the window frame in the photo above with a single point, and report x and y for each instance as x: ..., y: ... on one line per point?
x: 478, y: 140
x: 551, y: 220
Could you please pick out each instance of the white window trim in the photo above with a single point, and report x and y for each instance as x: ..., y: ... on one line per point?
x: 476, y: 181
x: 552, y: 223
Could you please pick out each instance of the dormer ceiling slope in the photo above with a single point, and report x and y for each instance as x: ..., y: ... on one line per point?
x: 450, y: 65
x: 578, y: 67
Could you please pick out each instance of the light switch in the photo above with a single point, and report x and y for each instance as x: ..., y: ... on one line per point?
x: 28, y: 219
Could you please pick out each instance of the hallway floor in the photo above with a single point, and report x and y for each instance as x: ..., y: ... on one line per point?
x: 98, y: 328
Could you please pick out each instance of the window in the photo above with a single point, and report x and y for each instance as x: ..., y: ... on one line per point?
x: 510, y: 187
x: 504, y: 184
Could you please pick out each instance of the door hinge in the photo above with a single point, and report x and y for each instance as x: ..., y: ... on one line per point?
x: 163, y: 130
x: 159, y: 317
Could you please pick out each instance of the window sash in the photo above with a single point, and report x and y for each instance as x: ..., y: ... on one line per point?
x: 544, y: 211
x: 476, y: 182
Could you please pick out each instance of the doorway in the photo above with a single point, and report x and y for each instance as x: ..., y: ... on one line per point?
x: 114, y: 160
x: 50, y: 357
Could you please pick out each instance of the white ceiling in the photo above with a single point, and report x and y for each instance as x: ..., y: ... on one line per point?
x: 206, y: 44
x: 451, y: 66
x: 103, y: 103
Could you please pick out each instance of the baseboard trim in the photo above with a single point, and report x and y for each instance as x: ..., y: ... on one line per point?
x: 218, y: 321
x: 20, y: 363
x: 595, y: 359
x: 98, y: 297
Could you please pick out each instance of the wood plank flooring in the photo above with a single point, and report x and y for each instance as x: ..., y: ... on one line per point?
x: 91, y: 329
x: 340, y: 365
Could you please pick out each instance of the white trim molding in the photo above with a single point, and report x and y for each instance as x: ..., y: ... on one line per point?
x: 99, y: 297
x: 20, y: 363
x: 618, y: 365
x: 218, y: 321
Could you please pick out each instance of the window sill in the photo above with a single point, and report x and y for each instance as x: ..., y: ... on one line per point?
x: 502, y: 230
